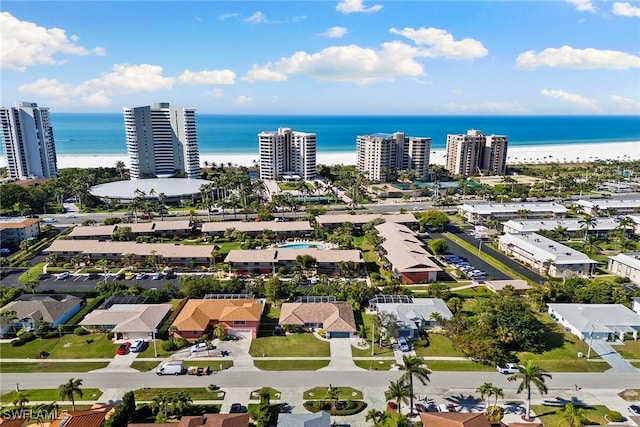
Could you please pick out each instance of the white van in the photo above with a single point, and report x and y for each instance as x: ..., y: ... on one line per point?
x: 175, y: 367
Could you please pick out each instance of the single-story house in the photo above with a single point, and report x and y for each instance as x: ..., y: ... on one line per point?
x: 545, y: 255
x: 319, y: 419
x: 626, y: 265
x: 454, y: 419
x: 206, y: 420
x: 15, y: 230
x: 92, y: 417
x: 335, y: 221
x: 267, y: 261
x: 483, y: 212
x: 172, y: 254
x: 608, y: 206
x: 600, y: 321
x: 281, y: 229
x: 520, y: 286
x: 53, y: 309
x: 201, y: 315
x: 335, y: 318
x: 636, y: 223
x: 416, y: 316
x: 406, y: 255
x: 128, y: 321
x: 573, y: 226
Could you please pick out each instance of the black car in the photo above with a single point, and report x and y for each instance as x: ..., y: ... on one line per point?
x: 92, y: 276
x: 120, y: 276
x: 634, y: 409
x: 170, y: 275
x: 236, y: 408
x: 43, y: 276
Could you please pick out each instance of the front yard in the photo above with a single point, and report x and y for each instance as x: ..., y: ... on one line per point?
x: 296, y: 345
x: 49, y: 394
x: 70, y: 346
x: 552, y: 417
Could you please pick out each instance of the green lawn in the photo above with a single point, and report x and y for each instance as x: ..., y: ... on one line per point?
x: 297, y: 345
x: 321, y: 393
x: 367, y: 320
x: 550, y: 416
x: 196, y: 393
x: 439, y: 346
x: 290, y: 365
x: 50, y: 395
x: 630, y: 349
x: 30, y: 368
x: 458, y: 365
x: 275, y: 394
x: 149, y: 351
x: 375, y: 365
x: 70, y: 346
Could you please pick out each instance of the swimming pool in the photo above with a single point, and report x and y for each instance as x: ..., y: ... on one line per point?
x: 310, y: 245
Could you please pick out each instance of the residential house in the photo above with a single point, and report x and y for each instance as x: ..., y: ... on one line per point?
x: 626, y: 265
x: 334, y: 221
x: 92, y: 417
x: 454, y: 419
x: 128, y: 321
x: 319, y: 419
x: 52, y: 309
x: 335, y: 318
x: 597, y: 321
x: 283, y: 230
x: 519, y: 286
x: 483, y: 212
x: 635, y: 304
x: 15, y: 230
x: 609, y: 207
x: 268, y: 261
x: 201, y: 315
x: 206, y: 420
x: 405, y: 254
x: 418, y: 315
x: 545, y: 255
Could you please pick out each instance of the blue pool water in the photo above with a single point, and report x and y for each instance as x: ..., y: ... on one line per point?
x: 301, y: 245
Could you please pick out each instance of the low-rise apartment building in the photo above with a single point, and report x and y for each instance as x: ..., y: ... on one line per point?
x: 15, y: 230
x: 334, y: 221
x: 483, y: 212
x: 608, y: 207
x: 282, y: 229
x: 159, y: 228
x: 574, y: 227
x: 626, y: 265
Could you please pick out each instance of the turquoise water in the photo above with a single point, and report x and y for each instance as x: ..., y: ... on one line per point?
x: 301, y: 245
x: 81, y: 134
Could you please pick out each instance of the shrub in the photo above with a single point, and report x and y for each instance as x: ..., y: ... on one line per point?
x: 17, y: 343
x: 50, y: 335
x: 79, y: 331
x: 27, y: 336
x: 212, y: 387
x: 614, y: 416
x: 169, y: 346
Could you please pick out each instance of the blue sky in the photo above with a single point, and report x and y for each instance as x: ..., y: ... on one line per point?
x: 325, y: 57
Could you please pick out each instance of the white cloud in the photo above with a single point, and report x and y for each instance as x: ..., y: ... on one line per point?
x: 126, y: 78
x: 583, y: 5
x: 215, y: 93
x: 243, y: 100
x: 485, y: 107
x: 265, y: 73
x: 214, y: 77
x: 626, y: 105
x: 353, y: 63
x: 335, y: 32
x: 442, y: 43
x: 49, y: 88
x: 25, y: 44
x: 257, y: 18
x: 226, y: 16
x: 585, y: 59
x: 625, y: 9
x: 351, y: 6
x: 572, y: 98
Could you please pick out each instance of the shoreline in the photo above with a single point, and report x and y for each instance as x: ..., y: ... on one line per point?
x: 533, y: 154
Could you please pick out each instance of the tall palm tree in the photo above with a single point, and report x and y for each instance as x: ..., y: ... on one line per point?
x: 398, y: 391
x: 69, y: 390
x: 588, y: 222
x: 414, y: 366
x: 574, y: 416
x: 377, y: 417
x: 530, y: 373
x: 488, y: 390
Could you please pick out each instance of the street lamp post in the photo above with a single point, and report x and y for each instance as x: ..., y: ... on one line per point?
x: 153, y: 335
x: 590, y: 342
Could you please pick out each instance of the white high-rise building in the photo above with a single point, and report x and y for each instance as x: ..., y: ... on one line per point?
x: 473, y: 152
x: 27, y: 140
x: 286, y: 152
x: 382, y: 155
x: 162, y: 141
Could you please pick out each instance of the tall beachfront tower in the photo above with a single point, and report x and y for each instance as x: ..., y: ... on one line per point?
x: 473, y: 152
x: 27, y: 140
x: 382, y: 155
x: 162, y: 141
x: 287, y: 152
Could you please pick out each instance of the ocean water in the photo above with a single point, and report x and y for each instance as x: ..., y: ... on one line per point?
x: 95, y: 134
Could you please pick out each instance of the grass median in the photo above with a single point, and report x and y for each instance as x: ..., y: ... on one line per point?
x: 39, y: 367
x: 49, y: 395
x: 290, y: 365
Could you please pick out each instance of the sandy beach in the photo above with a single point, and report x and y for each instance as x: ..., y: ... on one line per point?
x: 517, y: 155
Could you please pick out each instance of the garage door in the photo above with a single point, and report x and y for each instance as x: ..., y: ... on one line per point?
x: 339, y: 334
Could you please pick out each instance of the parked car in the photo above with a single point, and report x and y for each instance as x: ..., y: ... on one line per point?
x: 5, y: 251
x: 120, y: 276
x: 71, y: 215
x: 443, y: 408
x: 141, y: 276
x: 48, y: 220
x: 199, y: 347
x: 138, y: 346
x: 174, y: 367
x: 43, y: 276
x: 421, y: 408
x: 170, y: 275
x: 62, y: 276
x: 403, y: 344
x: 156, y: 276
x: 124, y: 348
x: 634, y: 409
x: 236, y: 408
x: 508, y: 368
x: 93, y: 276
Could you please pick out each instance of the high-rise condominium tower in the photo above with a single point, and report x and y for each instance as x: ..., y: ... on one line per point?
x: 27, y: 139
x: 473, y: 152
x: 162, y: 141
x: 382, y: 155
x: 287, y: 152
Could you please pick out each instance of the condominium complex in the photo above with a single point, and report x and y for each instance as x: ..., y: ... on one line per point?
x: 382, y: 155
x: 162, y: 141
x: 27, y: 140
x: 287, y: 153
x: 474, y: 152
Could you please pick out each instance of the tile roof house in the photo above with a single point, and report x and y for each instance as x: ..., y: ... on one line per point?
x: 127, y: 321
x: 454, y: 419
x: 200, y: 315
x: 13, y: 231
x: 416, y: 316
x: 255, y: 228
x: 93, y: 417
x: 53, y: 309
x: 335, y: 318
x: 319, y: 419
x: 206, y: 420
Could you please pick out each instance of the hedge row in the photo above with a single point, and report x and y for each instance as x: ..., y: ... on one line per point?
x: 163, y: 331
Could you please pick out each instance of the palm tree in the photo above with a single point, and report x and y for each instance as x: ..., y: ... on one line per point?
x: 70, y: 389
x: 220, y: 330
x: 592, y: 245
x: 574, y: 416
x: 31, y: 285
x: 414, y: 366
x: 378, y: 417
x: 333, y: 396
x: 398, y: 391
x: 528, y: 374
x: 587, y: 223
x: 21, y: 398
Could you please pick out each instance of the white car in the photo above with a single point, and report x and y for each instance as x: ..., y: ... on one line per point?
x: 197, y: 348
x: 137, y: 346
x: 508, y: 368
x: 63, y: 275
x: 48, y: 220
x: 71, y: 215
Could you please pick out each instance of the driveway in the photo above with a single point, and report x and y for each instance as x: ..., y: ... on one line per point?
x: 341, y: 358
x: 120, y: 363
x: 612, y: 357
x: 239, y: 351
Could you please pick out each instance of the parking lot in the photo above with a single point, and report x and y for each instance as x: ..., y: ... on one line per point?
x: 83, y: 283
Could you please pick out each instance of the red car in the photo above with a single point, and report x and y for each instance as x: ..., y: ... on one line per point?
x: 124, y: 348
